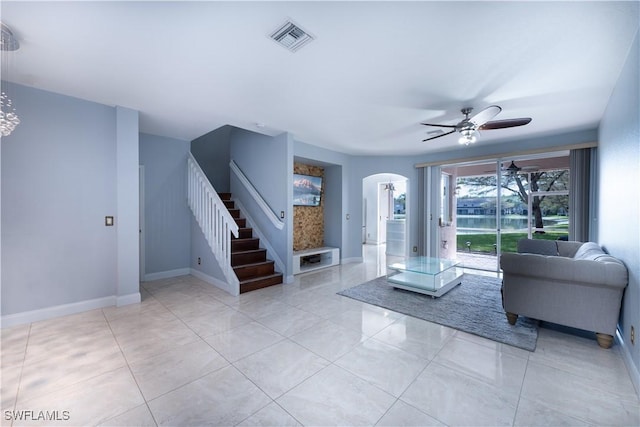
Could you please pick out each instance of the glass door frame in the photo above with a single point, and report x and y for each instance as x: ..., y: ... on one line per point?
x: 500, y: 178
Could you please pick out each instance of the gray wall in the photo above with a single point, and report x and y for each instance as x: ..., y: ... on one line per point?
x: 128, y: 206
x: 333, y: 184
x: 58, y: 184
x: 213, y: 152
x: 208, y: 264
x: 167, y: 215
x: 268, y: 164
x: 619, y: 190
x: 364, y: 166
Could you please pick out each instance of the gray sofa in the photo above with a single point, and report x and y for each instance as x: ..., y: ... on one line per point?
x: 569, y: 283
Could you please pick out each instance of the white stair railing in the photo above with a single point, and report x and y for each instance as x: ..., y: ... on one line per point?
x: 213, y: 217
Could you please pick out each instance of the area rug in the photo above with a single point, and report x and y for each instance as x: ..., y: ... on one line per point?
x: 474, y: 306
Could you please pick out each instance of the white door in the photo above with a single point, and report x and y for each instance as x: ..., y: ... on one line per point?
x: 383, y: 213
x: 141, y: 220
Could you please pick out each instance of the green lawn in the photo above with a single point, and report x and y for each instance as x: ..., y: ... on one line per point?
x: 486, y: 242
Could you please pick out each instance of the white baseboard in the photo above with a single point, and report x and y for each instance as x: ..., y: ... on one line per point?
x: 166, y: 274
x: 133, y: 298
x: 213, y: 281
x: 289, y: 279
x: 634, y: 374
x: 352, y: 260
x: 57, y: 311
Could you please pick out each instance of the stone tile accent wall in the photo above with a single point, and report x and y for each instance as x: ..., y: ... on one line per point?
x: 308, y: 221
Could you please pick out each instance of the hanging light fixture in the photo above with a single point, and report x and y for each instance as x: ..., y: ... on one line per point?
x: 8, y: 116
x: 468, y: 135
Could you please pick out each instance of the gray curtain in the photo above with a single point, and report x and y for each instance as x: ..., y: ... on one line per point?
x: 582, y: 163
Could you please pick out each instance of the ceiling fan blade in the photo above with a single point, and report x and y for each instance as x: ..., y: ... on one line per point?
x: 441, y: 135
x: 507, y: 123
x: 442, y: 126
x: 485, y: 115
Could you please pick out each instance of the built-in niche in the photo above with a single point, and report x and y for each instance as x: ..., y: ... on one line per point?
x: 308, y: 221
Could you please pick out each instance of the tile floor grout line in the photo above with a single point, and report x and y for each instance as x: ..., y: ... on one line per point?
x: 272, y: 400
x: 132, y: 375
x: 290, y: 414
x: 42, y: 394
x: 524, y: 378
x: 387, y: 411
x: 229, y: 363
x: 273, y: 345
x: 309, y: 288
x: 24, y: 360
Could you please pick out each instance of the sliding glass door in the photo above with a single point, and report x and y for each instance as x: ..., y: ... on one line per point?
x: 535, y: 204
x: 501, y: 201
x: 476, y: 223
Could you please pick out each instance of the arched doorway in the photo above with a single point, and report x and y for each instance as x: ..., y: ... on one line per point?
x: 385, y: 212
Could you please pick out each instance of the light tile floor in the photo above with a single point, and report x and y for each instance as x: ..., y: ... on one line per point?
x: 298, y: 354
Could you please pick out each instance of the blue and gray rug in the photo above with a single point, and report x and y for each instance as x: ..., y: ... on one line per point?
x: 474, y: 306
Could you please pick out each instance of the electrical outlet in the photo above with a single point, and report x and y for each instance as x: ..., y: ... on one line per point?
x: 633, y: 335
x: 415, y: 249
x: 199, y: 260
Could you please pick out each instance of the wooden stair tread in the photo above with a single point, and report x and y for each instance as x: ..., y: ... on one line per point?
x: 258, y: 272
x: 254, y: 264
x: 248, y: 251
x: 255, y: 279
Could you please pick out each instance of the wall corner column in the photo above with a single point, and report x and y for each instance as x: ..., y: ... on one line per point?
x: 127, y: 219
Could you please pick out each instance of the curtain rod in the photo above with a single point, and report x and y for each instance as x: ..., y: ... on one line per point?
x: 509, y: 154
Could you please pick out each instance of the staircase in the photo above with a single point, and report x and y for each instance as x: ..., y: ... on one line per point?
x: 248, y: 260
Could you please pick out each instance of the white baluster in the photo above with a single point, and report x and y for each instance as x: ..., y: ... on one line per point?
x: 213, y: 218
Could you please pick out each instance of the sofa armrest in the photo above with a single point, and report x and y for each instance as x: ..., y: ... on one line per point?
x: 562, y: 269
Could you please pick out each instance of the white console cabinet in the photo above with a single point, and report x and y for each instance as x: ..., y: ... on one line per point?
x: 313, y: 259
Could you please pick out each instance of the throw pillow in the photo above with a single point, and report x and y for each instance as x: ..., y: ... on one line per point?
x: 590, y: 251
x: 541, y: 247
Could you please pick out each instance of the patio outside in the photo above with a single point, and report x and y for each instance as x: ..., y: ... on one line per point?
x: 532, y: 204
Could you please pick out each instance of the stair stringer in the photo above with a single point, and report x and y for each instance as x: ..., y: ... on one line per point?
x: 264, y: 242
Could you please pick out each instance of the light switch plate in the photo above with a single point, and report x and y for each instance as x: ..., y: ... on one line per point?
x: 108, y: 221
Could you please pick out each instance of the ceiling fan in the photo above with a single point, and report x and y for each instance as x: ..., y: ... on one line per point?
x: 514, y: 169
x: 469, y: 126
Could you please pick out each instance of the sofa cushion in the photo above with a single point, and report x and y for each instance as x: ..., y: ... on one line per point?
x: 540, y: 247
x: 590, y: 251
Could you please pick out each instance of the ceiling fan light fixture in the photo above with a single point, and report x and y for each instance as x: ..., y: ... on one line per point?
x: 468, y: 136
x: 466, y: 140
x: 512, y: 170
x: 8, y: 116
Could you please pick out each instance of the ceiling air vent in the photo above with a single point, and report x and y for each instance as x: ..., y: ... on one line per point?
x: 291, y: 36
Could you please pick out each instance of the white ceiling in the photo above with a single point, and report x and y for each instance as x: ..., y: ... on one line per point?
x: 373, y: 73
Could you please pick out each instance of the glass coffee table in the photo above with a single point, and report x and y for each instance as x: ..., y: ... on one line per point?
x: 431, y: 276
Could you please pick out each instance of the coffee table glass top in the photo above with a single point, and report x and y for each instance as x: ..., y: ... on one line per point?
x: 424, y: 265
x: 431, y: 276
